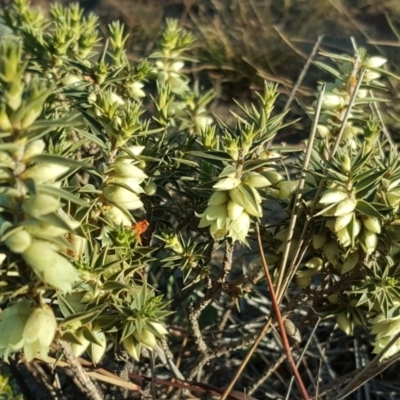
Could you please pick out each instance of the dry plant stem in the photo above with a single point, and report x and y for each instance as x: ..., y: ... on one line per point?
x: 370, y: 370
x: 211, y: 292
x: 99, y: 374
x: 303, y: 72
x: 301, y: 357
x: 332, y: 388
x: 281, y: 285
x: 267, y: 373
x: 91, y: 390
x: 277, y: 311
x: 40, y: 375
x: 260, y: 336
x: 347, y: 114
x: 218, y: 353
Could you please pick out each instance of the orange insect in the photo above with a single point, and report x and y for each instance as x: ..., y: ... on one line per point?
x: 139, y: 228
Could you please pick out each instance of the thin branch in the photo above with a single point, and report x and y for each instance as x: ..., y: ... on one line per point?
x: 99, y: 374
x: 267, y: 373
x: 249, y: 354
x: 91, y: 390
x: 281, y: 285
x: 277, y: 311
x: 303, y: 71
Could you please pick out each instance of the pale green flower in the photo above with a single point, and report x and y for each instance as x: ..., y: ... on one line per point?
x: 384, y: 329
x: 116, y: 216
x: 49, y: 266
x: 12, y: 324
x: 39, y: 332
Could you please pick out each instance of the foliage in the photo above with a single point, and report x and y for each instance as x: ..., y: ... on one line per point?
x: 116, y: 180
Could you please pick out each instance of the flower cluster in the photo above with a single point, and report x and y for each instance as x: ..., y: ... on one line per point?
x: 384, y: 329
x: 122, y: 189
x: 231, y: 205
x: 27, y: 328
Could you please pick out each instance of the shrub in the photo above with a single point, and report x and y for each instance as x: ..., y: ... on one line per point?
x: 119, y: 190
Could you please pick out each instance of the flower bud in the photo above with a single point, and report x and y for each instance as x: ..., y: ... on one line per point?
x: 346, y: 164
x: 248, y: 198
x: 116, y: 216
x: 370, y: 241
x: 44, y: 173
x: 393, y: 198
x: 120, y: 195
x: 150, y: 188
x: 345, y: 207
x: 332, y: 101
x: 39, y: 228
x: 135, y: 90
x: 227, y: 184
x: 96, y: 351
x: 240, y: 227
x: 234, y: 210
x: 79, y: 349
x: 19, y: 241
x: 135, y: 150
x: 373, y: 224
x: 39, y: 332
x: 218, y: 198
x: 255, y: 180
x: 49, y: 266
x: 12, y: 323
x: 71, y: 79
x: 345, y: 324
x: 40, y: 204
x: 147, y: 339
x: 371, y: 76
x: 273, y: 176
x: 131, y: 347
x: 33, y: 149
x: 158, y: 328
x: 5, y: 123
x: 132, y: 183
x: 342, y: 221
x: 374, y: 62
x: 129, y: 171
x: 344, y: 237
x: 303, y: 277
x: 79, y: 245
x: 314, y: 263
x: 333, y: 196
x: 323, y: 130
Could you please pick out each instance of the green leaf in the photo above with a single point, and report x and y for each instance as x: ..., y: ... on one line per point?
x: 88, y: 335
x: 329, y: 69
x: 339, y: 57
x: 371, y: 179
x: 92, y: 138
x: 213, y: 155
x: 367, y: 209
x: 54, y: 159
x: 63, y: 194
x: 85, y: 317
x: 116, y: 286
x: 127, y: 331
x: 70, y: 337
x: 186, y: 162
